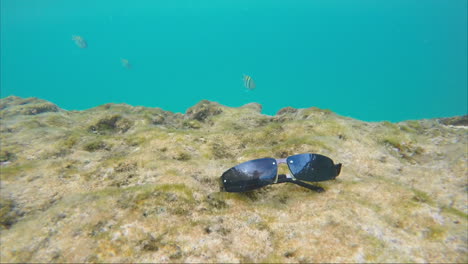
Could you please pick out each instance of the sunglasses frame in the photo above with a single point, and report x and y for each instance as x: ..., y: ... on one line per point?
x: 289, y: 177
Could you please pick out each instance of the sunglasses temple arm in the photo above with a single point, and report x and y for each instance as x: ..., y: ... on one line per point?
x: 282, y: 178
x: 338, y: 169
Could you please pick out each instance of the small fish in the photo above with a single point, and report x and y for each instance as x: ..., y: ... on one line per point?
x: 125, y: 63
x: 249, y: 82
x: 80, y: 42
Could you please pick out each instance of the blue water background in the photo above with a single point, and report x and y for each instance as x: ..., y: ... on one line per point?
x: 369, y: 59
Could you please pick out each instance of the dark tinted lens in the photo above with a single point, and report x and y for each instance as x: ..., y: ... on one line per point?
x: 250, y: 175
x: 312, y: 167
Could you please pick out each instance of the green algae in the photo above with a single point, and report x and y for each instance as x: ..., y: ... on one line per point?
x: 35, y: 109
x: 97, y: 230
x: 315, y: 111
x: 192, y: 124
x: 96, y: 145
x: 134, y: 197
x: 111, y: 124
x: 8, y: 214
x: 374, y: 248
x: 405, y: 149
x: 182, y: 156
x: 454, y: 211
x: 412, y: 127
x: 185, y: 208
x: 15, y: 170
x: 215, y: 202
x: 390, y: 125
x: 422, y: 197
x: 367, y: 204
x: 236, y: 197
x: 455, y: 121
x: 70, y: 141
x: 309, y: 141
x: 31, y: 124
x: 290, y: 146
x: 172, y: 172
x: 393, y: 141
x: 137, y: 140
x: 435, y: 232
x: 273, y: 128
x: 57, y: 120
x: 6, y: 155
x: 178, y: 188
x: 274, y: 257
x: 220, y: 151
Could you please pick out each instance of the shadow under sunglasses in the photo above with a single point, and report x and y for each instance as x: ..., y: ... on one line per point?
x: 258, y: 173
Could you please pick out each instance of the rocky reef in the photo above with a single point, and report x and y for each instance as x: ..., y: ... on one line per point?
x: 118, y: 183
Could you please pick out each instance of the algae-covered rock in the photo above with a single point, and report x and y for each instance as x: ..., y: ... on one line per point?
x: 110, y: 124
x: 455, y: 121
x: 40, y: 108
x: 6, y: 155
x: 256, y: 107
x: 9, y: 213
x: 194, y: 124
x: 203, y: 110
x: 287, y: 110
x: 13, y: 105
x: 157, y: 119
x: 96, y: 145
x: 118, y: 183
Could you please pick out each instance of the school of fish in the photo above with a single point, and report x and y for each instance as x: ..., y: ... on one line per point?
x: 81, y: 43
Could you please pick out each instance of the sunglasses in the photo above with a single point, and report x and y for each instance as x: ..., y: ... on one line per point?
x: 258, y: 173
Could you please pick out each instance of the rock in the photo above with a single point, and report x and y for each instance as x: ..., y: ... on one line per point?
x: 256, y: 107
x: 157, y: 120
x: 287, y: 110
x: 6, y: 156
x: 111, y: 124
x: 9, y: 213
x: 118, y: 183
x: 203, y: 110
x: 12, y: 105
x: 126, y: 167
x: 40, y: 108
x: 96, y: 145
x: 193, y: 124
x: 455, y: 121
x: 182, y: 156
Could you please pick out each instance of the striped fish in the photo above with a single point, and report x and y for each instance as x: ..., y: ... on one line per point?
x: 249, y: 82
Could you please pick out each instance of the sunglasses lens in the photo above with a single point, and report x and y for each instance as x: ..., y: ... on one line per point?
x: 250, y: 175
x: 312, y: 167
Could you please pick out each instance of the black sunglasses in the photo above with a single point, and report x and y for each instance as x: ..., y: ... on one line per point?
x: 258, y: 173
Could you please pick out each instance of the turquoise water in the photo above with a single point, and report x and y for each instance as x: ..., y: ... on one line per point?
x: 375, y: 60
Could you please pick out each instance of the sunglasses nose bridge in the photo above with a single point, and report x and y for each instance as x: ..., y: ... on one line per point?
x: 289, y: 174
x: 280, y: 161
x: 283, y: 161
